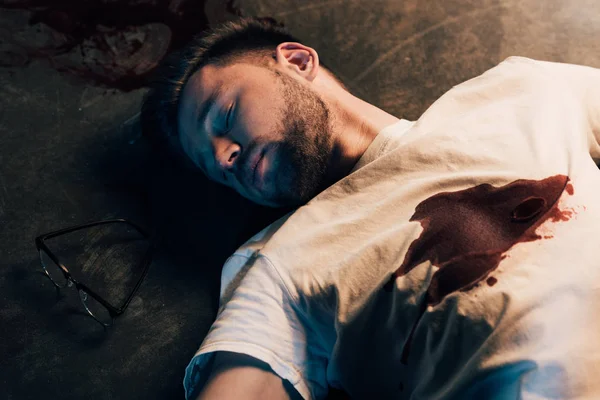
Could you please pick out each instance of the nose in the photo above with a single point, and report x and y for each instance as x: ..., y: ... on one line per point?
x: 227, y: 153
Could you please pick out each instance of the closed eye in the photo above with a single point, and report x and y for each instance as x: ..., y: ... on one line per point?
x: 229, y: 118
x: 224, y: 125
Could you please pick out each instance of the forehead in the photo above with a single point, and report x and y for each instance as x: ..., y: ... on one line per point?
x: 209, y: 79
x: 203, y: 84
x: 196, y: 92
x: 210, y: 83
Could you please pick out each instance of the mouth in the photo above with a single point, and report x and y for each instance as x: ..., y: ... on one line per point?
x: 256, y: 179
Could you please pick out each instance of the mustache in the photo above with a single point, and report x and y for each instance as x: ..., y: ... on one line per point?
x: 243, y: 169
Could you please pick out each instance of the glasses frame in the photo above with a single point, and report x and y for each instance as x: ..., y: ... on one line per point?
x: 40, y: 244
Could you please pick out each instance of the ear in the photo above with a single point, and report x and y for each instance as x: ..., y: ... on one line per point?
x: 302, y: 59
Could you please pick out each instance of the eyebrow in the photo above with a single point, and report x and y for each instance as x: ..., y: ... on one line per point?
x: 202, y: 114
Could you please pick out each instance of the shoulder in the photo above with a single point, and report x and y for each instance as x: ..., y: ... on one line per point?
x: 514, y: 81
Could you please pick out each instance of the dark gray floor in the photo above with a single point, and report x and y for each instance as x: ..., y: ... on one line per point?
x: 70, y: 152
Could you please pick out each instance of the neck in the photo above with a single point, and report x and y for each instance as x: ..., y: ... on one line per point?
x: 354, y: 123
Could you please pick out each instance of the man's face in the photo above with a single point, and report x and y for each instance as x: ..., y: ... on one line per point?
x: 258, y: 131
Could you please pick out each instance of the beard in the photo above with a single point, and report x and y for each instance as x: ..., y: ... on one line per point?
x: 306, y: 145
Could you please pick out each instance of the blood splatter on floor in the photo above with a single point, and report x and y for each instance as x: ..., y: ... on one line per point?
x: 112, y: 43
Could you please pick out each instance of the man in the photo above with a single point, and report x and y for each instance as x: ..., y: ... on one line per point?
x: 446, y: 258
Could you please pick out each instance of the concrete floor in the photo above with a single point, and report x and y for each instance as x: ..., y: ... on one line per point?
x: 70, y: 152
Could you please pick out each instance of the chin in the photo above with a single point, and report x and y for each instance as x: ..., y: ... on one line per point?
x: 276, y: 203
x: 261, y: 201
x: 268, y: 203
x: 273, y: 198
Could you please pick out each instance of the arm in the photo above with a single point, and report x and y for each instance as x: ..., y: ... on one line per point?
x: 237, y: 376
x: 260, y: 343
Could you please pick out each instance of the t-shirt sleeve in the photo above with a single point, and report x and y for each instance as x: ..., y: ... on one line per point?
x: 262, y: 320
x: 583, y: 83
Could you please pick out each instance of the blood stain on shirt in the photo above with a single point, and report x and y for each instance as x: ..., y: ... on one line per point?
x: 467, y: 233
x: 569, y: 188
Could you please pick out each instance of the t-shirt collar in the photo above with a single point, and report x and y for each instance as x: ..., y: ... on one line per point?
x: 379, y: 144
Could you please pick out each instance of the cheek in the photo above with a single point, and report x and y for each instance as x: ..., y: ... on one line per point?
x: 261, y: 122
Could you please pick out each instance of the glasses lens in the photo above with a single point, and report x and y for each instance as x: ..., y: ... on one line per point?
x: 107, y: 258
x: 54, y: 272
x: 95, y: 308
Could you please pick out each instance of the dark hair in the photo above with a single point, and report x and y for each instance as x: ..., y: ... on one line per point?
x: 257, y: 37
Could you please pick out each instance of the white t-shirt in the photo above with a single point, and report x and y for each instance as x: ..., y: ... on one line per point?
x: 457, y: 260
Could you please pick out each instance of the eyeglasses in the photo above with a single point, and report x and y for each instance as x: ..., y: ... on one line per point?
x: 129, y: 236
